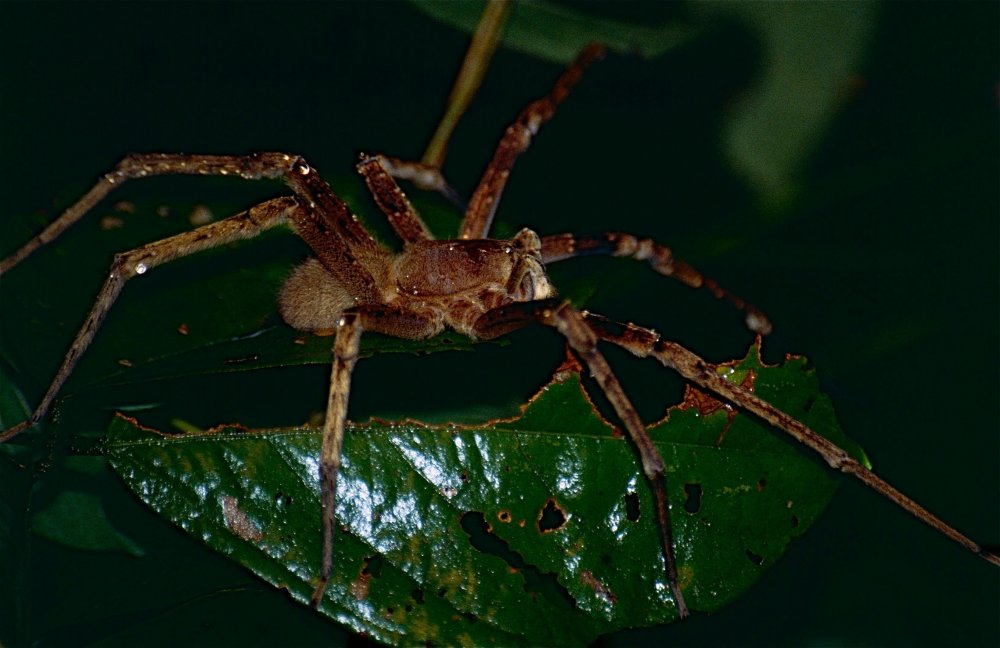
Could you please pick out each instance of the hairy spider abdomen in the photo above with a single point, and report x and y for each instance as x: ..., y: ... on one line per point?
x: 312, y: 299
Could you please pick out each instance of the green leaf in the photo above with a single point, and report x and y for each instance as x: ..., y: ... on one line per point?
x: 806, y: 68
x: 77, y: 519
x: 533, y: 530
x: 809, y: 67
x: 557, y: 33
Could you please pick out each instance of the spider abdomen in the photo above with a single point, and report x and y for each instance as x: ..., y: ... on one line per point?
x: 312, y: 299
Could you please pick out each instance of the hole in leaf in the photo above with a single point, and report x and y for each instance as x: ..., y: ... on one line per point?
x: 808, y: 405
x: 551, y: 518
x: 536, y: 583
x: 761, y: 483
x: 504, y: 516
x: 754, y: 558
x: 442, y: 592
x: 692, y: 498
x: 373, y: 565
x: 418, y: 595
x: 795, y: 521
x: 632, y: 507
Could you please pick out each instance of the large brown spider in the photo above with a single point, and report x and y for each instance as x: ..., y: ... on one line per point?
x: 477, y: 286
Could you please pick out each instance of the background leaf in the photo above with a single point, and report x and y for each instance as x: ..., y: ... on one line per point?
x: 557, y: 32
x: 881, y: 271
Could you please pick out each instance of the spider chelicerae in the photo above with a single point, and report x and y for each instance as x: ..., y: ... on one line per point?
x: 478, y: 286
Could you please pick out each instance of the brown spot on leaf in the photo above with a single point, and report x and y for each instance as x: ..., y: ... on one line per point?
x: 602, y: 590
x: 359, y: 586
x: 706, y: 404
x: 183, y: 329
x: 371, y: 568
x: 237, y: 520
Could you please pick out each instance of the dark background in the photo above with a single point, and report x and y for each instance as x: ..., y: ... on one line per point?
x: 883, y: 271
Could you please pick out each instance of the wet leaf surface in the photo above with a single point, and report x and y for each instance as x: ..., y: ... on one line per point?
x: 517, y: 531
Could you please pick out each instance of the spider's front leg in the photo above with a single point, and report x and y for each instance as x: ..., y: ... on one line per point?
x: 374, y: 318
x: 644, y: 343
x: 560, y: 247
x: 571, y: 324
x: 295, y: 172
x: 317, y: 214
x: 136, y: 262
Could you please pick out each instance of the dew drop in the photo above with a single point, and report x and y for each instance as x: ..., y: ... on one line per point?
x: 140, y: 268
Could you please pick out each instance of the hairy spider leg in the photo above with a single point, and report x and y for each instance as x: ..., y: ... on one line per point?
x: 375, y: 318
x: 516, y: 140
x: 392, y: 201
x: 142, y: 165
x: 559, y: 247
x: 319, y: 216
x: 126, y: 265
x: 571, y: 324
x: 425, y: 176
x: 646, y: 343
